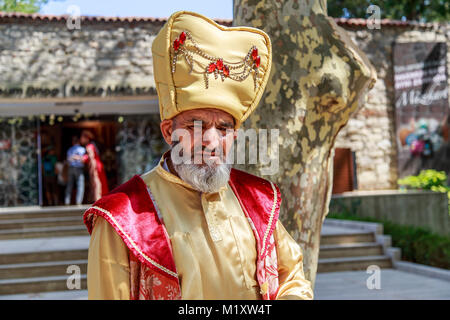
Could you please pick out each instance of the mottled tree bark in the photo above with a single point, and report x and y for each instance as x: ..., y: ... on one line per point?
x: 318, y: 79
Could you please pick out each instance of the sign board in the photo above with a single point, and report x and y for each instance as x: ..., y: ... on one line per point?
x: 421, y: 107
x: 75, y: 90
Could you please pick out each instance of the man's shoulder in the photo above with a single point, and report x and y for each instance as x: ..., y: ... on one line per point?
x: 248, y: 178
x: 137, y: 184
x: 251, y: 187
x: 126, y: 191
x: 134, y: 183
x: 128, y: 199
x: 149, y: 176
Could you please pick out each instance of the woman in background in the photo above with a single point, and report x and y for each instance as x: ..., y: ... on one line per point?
x: 97, y: 177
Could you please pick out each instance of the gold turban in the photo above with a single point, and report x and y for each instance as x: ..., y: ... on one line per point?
x: 198, y: 63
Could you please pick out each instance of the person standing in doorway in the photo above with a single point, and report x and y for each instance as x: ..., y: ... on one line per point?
x: 98, y: 183
x: 75, y: 156
x: 51, y: 188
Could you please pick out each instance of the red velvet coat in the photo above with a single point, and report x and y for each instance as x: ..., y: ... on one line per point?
x: 130, y: 211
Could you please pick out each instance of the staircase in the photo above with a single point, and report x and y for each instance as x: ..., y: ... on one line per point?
x: 37, y: 245
x: 348, y: 245
x: 37, y: 222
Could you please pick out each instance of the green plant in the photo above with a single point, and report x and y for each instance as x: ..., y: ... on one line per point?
x: 428, y: 180
x: 417, y: 244
x: 26, y: 6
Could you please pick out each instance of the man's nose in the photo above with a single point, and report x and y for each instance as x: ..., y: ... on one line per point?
x: 211, y: 138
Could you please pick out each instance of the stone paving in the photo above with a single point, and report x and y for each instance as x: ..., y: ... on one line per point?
x: 349, y: 285
x: 394, y: 285
x: 59, y: 295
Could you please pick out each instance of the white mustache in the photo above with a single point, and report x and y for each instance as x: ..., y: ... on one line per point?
x: 204, y: 178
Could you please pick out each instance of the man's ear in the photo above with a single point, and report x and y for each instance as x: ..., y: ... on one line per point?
x: 166, y: 130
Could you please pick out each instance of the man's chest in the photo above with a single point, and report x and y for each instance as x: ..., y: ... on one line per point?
x: 212, y: 242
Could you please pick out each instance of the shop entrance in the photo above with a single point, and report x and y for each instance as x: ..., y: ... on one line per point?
x: 30, y: 146
x: 57, y: 139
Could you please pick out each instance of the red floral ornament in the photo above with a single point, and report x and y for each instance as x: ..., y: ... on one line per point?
x: 212, y: 67
x: 176, y: 44
x: 255, y: 53
x: 216, y: 66
x: 182, y: 37
x: 256, y: 58
x: 257, y: 61
x: 219, y: 64
x: 219, y: 67
x: 179, y: 41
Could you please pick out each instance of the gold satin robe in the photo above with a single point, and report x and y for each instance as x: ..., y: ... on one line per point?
x: 213, y: 246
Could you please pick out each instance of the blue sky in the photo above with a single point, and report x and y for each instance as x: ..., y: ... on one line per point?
x: 222, y: 9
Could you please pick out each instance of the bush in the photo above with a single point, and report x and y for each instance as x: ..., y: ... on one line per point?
x: 428, y: 180
x: 418, y: 245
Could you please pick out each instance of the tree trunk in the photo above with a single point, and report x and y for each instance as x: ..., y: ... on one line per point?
x: 318, y: 80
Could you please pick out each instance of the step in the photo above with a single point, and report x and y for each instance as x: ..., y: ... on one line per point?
x: 41, y: 212
x: 40, y: 284
x: 17, y: 246
x: 16, y: 251
x: 51, y: 295
x: 40, y: 269
x: 353, y: 263
x: 350, y: 250
x: 44, y: 256
x: 355, y: 237
x: 61, y: 231
x: 40, y: 222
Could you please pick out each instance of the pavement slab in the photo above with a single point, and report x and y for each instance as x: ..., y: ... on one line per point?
x: 394, y: 285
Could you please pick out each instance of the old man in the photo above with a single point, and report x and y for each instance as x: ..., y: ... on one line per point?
x: 192, y: 227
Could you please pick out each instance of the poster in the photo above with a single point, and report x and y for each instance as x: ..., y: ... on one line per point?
x: 421, y: 107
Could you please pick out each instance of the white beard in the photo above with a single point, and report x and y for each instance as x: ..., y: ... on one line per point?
x: 204, y: 177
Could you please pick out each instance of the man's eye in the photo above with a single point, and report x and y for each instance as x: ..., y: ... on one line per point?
x: 194, y: 125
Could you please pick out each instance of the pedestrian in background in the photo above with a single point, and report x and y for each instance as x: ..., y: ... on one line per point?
x: 98, y: 183
x: 75, y: 156
x: 51, y: 187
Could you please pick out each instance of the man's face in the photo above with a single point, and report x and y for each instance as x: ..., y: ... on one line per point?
x: 83, y: 140
x: 206, y: 134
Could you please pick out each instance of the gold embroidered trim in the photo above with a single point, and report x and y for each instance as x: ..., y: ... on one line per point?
x: 275, y: 196
x: 219, y: 67
x: 134, y: 244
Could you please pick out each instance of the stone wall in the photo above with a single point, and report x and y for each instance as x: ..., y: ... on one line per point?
x: 370, y: 132
x: 426, y: 209
x: 47, y: 59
